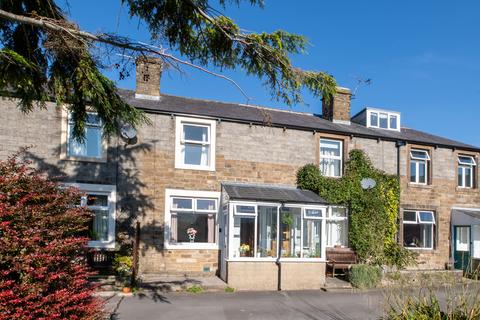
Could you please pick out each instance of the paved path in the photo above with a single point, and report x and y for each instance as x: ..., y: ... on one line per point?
x: 250, y: 305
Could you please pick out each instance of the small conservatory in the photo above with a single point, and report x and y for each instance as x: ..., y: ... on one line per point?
x: 276, y: 237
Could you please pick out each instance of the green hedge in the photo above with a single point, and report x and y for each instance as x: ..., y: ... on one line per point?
x: 365, y: 276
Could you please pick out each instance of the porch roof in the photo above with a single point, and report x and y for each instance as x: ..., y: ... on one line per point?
x: 271, y: 193
x: 472, y: 213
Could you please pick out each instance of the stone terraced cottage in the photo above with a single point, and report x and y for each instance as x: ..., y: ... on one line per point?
x: 208, y: 183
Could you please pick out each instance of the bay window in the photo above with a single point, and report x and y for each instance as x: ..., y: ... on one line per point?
x: 418, y: 229
x: 419, y: 166
x: 195, y: 144
x: 466, y: 171
x: 331, y: 157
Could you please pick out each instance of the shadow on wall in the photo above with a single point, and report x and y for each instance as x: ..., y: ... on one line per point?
x: 134, y: 199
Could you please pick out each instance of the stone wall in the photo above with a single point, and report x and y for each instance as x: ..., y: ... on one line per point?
x: 258, y: 154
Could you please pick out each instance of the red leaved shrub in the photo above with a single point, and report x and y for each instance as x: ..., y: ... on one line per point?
x: 43, y: 274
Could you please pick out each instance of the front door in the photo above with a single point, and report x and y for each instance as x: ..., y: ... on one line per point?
x: 462, y: 247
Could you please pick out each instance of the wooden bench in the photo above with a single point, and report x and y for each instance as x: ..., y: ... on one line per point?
x: 340, y: 258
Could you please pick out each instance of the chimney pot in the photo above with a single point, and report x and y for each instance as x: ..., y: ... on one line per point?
x: 338, y: 109
x: 149, y: 72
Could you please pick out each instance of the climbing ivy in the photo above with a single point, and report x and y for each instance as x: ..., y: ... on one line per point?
x: 373, y: 213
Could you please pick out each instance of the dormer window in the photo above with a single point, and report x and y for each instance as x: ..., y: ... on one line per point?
x: 383, y: 119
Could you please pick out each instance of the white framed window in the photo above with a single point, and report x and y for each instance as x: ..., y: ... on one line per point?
x: 255, y: 232
x: 190, y: 219
x: 377, y: 118
x: 337, y: 227
x: 466, y: 171
x: 101, y: 200
x: 331, y: 157
x: 92, y: 147
x: 419, y: 166
x: 418, y: 229
x: 195, y: 144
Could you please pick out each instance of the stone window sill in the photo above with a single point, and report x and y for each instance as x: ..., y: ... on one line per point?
x: 420, y: 186
x: 466, y: 190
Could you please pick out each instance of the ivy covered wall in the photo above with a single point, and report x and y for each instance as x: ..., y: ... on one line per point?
x: 373, y: 213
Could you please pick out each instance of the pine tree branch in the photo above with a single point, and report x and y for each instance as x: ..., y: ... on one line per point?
x: 115, y: 41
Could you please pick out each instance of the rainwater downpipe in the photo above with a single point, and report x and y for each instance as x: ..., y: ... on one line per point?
x: 399, y: 144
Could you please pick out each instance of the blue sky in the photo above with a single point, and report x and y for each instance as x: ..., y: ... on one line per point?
x: 422, y: 56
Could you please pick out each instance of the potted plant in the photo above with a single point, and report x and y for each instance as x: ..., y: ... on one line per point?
x: 191, y: 232
x: 123, y: 265
x: 244, y: 249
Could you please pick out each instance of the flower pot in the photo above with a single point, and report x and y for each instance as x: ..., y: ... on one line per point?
x: 126, y: 290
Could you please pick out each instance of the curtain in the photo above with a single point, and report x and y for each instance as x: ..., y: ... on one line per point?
x: 173, y: 228
x: 328, y: 164
x: 211, y: 228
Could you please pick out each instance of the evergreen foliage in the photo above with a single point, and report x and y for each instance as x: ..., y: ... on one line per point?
x: 373, y: 213
x: 39, y: 63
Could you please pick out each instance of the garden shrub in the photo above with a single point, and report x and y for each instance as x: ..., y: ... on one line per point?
x: 43, y: 273
x: 364, y: 276
x: 373, y: 213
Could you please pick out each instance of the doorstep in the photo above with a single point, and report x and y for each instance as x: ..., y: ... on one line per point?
x: 337, y: 285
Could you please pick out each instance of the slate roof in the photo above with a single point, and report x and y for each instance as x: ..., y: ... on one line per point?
x: 169, y: 104
x: 270, y: 193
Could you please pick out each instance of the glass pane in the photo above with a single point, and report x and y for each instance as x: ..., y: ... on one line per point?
x: 426, y: 217
x: 412, y: 236
x: 330, y: 147
x: 384, y: 120
x: 93, y: 141
x: 374, y: 119
x: 337, y: 233
x: 410, y: 216
x: 393, y: 122
x: 339, y: 212
x: 466, y: 160
x: 245, y: 209
x: 97, y: 200
x: 413, y: 171
x: 243, y: 236
x: 99, y: 229
x: 468, y: 177
x: 331, y: 167
x: 291, y: 232
x: 427, y: 231
x: 195, y: 133
x: 196, y: 154
x: 312, y: 234
x: 313, y: 213
x: 182, y: 203
x: 206, y: 204
x: 460, y: 177
x: 422, y: 172
x: 93, y: 119
x: 267, y: 232
x: 419, y: 154
x: 192, y: 227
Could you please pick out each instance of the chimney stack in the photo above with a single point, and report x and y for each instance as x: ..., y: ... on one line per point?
x: 149, y: 72
x: 338, y: 110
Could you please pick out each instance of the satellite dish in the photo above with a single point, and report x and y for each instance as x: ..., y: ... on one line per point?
x: 128, y: 132
x: 368, y: 183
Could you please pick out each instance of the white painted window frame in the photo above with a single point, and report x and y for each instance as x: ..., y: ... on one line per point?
x: 232, y: 215
x: 179, y: 142
x: 335, y: 219
x: 418, y: 161
x: 197, y: 194
x: 103, y: 149
x: 111, y: 192
x: 340, y: 157
x: 419, y: 222
x: 389, y: 114
x: 464, y: 166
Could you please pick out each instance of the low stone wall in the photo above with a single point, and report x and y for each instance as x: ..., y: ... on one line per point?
x: 264, y: 275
